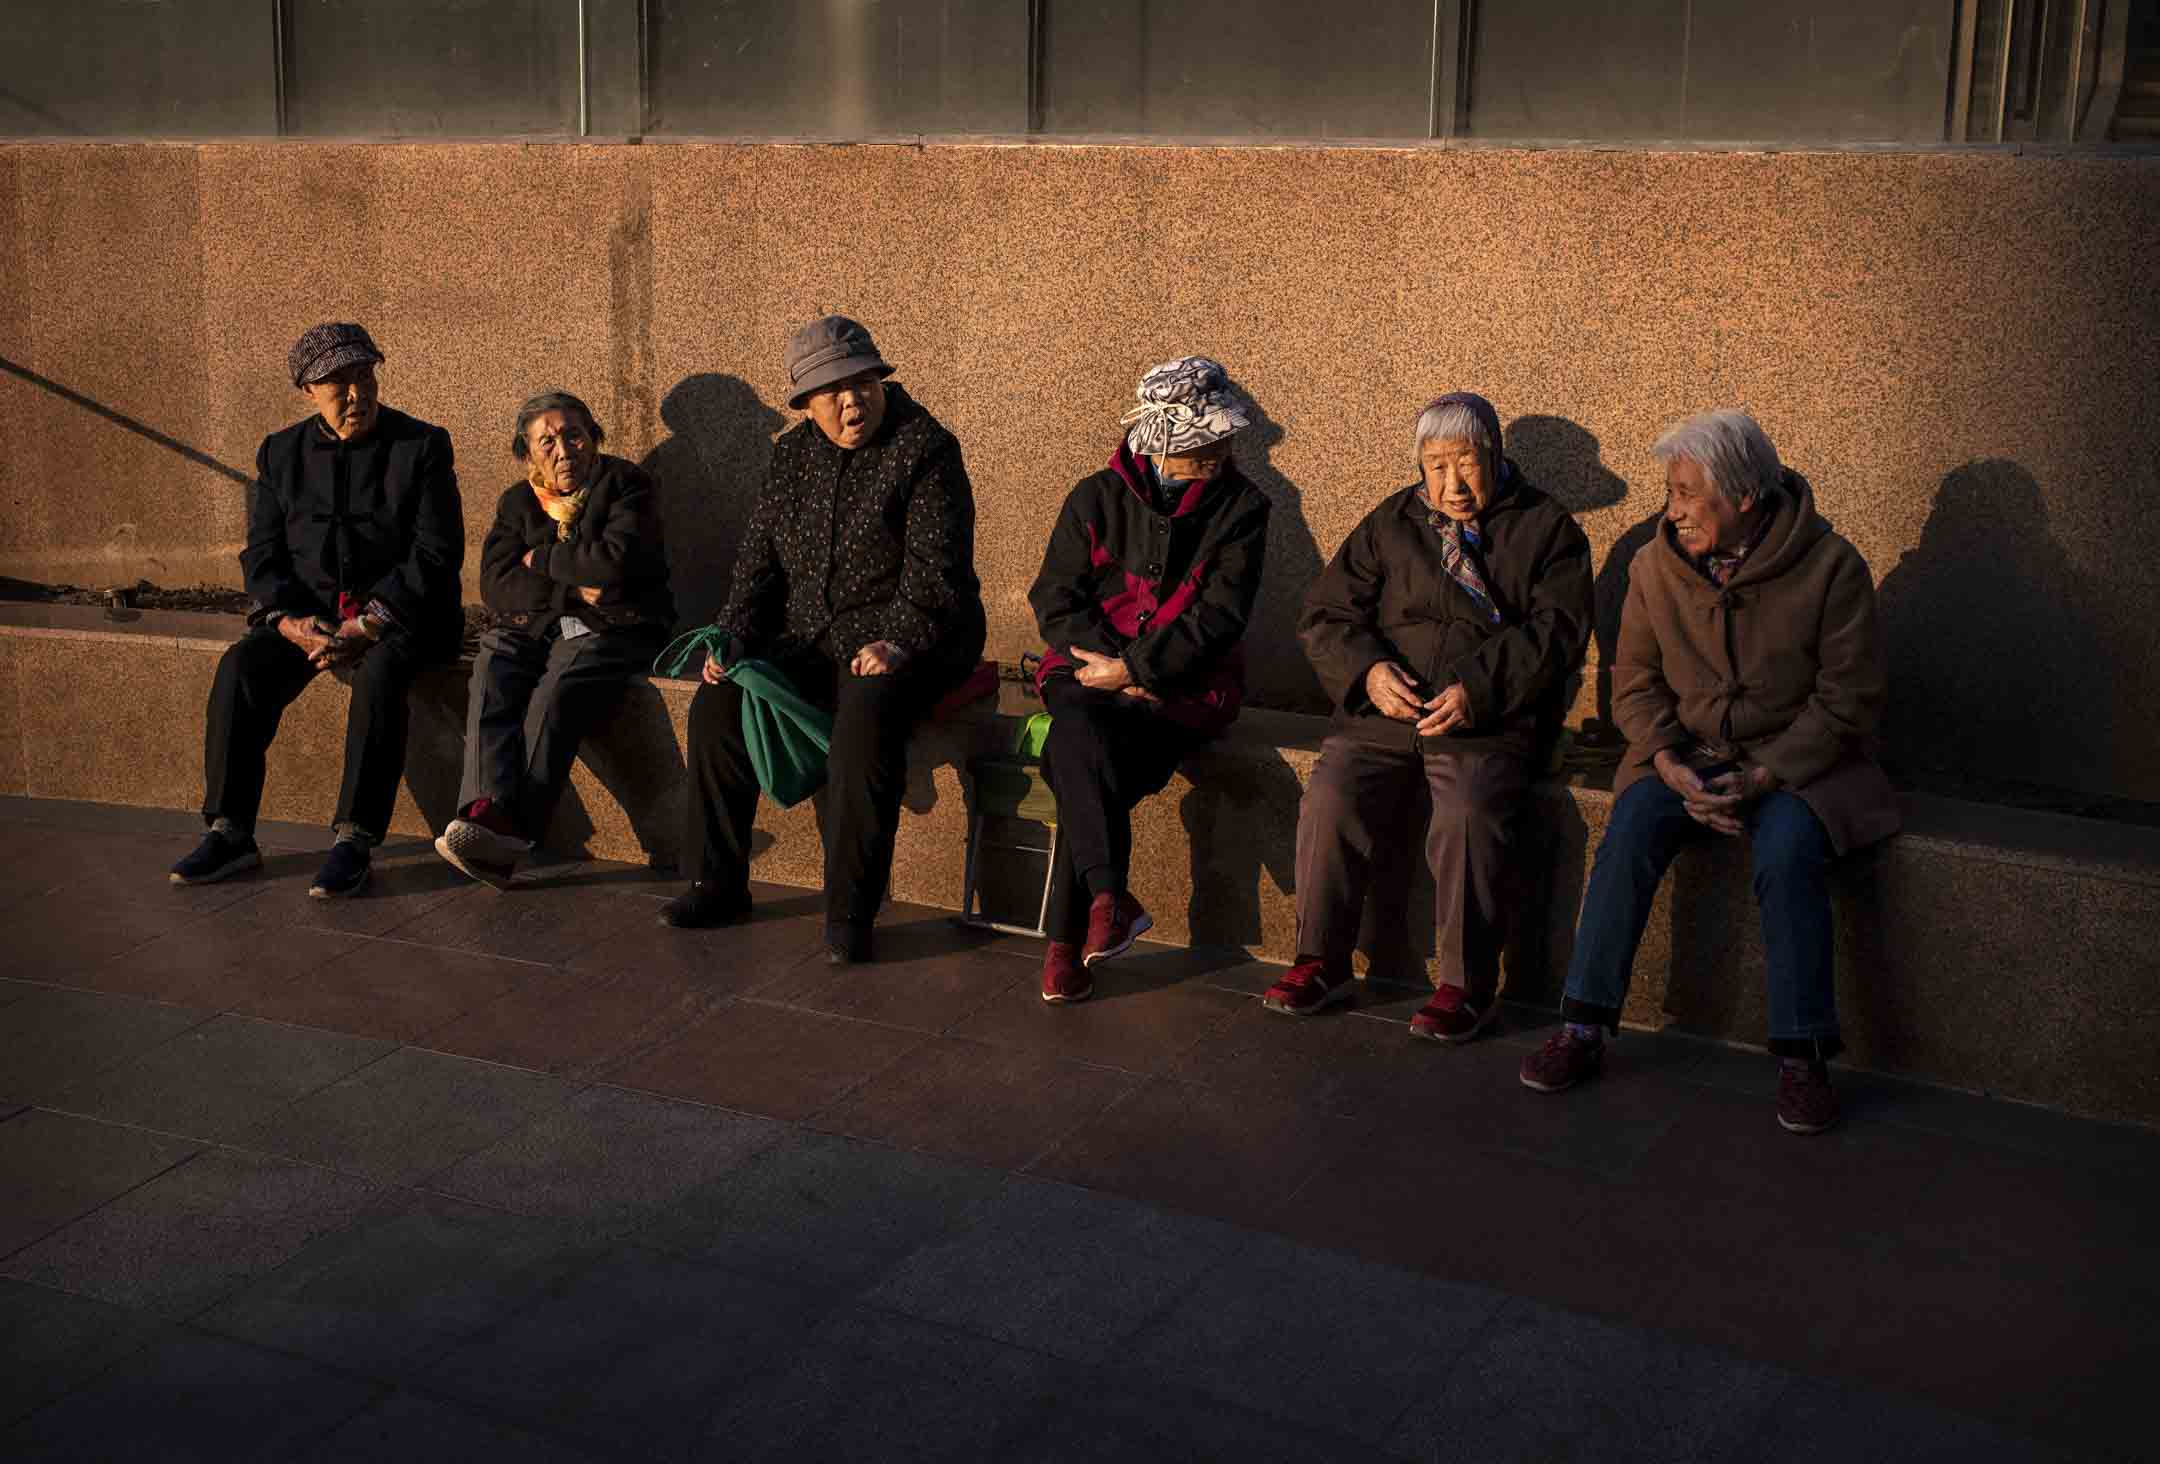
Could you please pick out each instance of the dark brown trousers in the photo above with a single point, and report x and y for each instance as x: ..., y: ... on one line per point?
x: 1358, y: 808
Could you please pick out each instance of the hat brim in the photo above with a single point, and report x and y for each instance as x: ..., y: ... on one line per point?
x: 823, y: 376
x: 337, y: 358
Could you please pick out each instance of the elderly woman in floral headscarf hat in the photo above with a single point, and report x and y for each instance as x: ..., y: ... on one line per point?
x: 1143, y: 597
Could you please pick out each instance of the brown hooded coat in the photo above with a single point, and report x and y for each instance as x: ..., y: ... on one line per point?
x: 1786, y: 663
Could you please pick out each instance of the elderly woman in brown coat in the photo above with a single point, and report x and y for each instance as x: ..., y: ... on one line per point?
x: 1445, y: 630
x: 1748, y: 679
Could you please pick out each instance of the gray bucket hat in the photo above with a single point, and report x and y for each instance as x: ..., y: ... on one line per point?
x: 323, y: 349
x: 829, y: 349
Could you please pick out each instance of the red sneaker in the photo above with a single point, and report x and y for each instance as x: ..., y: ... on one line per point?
x: 1806, y: 1103
x: 1064, y: 979
x: 1562, y: 1063
x: 1114, y: 923
x: 1308, y: 987
x: 1452, y: 1017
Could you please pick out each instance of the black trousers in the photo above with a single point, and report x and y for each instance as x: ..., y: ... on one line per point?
x: 1104, y: 754
x: 873, y: 717
x: 258, y: 678
x: 531, y: 702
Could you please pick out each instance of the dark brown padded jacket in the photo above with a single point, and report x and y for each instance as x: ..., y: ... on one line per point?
x: 1387, y: 597
x: 616, y: 546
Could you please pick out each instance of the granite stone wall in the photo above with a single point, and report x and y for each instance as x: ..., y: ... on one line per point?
x: 1959, y: 350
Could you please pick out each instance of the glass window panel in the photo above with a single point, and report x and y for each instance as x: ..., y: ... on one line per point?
x: 1237, y: 68
x: 837, y: 68
x: 126, y: 68
x: 431, y: 68
x: 1712, y: 70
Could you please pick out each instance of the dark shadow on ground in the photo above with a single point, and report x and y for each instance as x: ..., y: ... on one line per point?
x: 709, y: 472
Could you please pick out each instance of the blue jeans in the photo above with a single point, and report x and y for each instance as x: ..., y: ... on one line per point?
x: 1792, y: 861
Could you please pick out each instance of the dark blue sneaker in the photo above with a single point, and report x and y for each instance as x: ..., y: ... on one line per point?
x: 343, y: 873
x: 219, y: 856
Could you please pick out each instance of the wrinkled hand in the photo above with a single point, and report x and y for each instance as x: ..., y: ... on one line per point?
x: 1141, y: 695
x: 310, y: 633
x: 1449, y: 710
x: 591, y: 594
x: 1103, y: 673
x: 527, y: 561
x: 1389, y: 689
x: 879, y: 658
x: 347, y: 645
x: 1715, y: 804
x: 714, y: 672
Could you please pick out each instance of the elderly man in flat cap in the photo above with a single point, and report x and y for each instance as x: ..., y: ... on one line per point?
x: 355, y: 539
x: 856, y: 583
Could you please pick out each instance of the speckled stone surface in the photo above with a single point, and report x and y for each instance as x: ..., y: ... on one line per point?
x: 1945, y: 344
x: 1980, y: 949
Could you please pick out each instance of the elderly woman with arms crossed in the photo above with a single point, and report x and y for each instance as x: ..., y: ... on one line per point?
x: 856, y: 581
x: 575, y: 573
x: 1145, y: 590
x: 1749, y: 678
x: 355, y: 536
x: 1445, y: 630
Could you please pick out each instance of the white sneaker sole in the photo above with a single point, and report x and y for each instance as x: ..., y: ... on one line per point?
x: 250, y: 860
x: 322, y: 892
x: 1142, y: 924
x: 1340, y: 994
x: 487, y: 874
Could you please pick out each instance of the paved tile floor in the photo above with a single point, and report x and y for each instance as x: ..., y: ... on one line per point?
x: 442, y: 1173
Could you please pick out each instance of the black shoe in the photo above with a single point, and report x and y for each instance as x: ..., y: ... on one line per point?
x: 343, y: 873
x: 219, y: 856
x: 703, y: 907
x: 847, y: 945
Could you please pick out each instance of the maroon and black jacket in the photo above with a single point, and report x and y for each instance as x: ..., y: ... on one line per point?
x: 1171, y: 593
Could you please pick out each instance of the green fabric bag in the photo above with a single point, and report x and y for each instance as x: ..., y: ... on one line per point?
x: 788, y: 735
x: 1034, y: 732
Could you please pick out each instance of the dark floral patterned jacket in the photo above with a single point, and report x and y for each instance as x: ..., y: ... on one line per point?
x: 846, y: 547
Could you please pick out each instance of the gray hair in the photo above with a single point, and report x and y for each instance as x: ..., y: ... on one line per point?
x: 1443, y: 420
x: 1729, y: 446
x: 540, y: 406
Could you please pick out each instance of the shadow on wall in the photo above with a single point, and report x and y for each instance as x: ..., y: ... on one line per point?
x: 1566, y: 461
x: 1275, y: 669
x: 1995, y: 673
x: 1231, y: 851
x: 709, y: 470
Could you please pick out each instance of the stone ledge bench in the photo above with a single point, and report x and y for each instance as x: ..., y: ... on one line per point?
x: 1987, y: 948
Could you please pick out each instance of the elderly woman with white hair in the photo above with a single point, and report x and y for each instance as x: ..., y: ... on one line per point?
x: 1748, y: 679
x: 1145, y: 590
x: 1445, y: 630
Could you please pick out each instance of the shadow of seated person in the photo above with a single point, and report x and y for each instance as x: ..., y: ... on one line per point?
x: 574, y: 572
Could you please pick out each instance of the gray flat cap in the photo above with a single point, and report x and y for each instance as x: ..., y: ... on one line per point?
x: 829, y: 349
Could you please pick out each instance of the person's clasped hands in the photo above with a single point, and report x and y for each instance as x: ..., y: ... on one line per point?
x: 1394, y: 694
x: 1715, y: 802
x: 327, y: 646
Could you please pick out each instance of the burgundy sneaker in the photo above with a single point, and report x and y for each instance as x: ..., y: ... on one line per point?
x: 1114, y: 923
x: 1561, y: 1063
x: 1064, y: 979
x: 1307, y: 987
x: 1452, y: 1017
x: 1806, y: 1103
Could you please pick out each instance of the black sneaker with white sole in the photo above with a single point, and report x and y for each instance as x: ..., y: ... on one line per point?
x: 343, y: 873
x: 220, y: 855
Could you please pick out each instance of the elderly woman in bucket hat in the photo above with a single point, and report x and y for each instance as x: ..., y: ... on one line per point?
x: 574, y: 571
x: 1146, y: 587
x: 1445, y: 630
x: 856, y: 581
x: 355, y: 538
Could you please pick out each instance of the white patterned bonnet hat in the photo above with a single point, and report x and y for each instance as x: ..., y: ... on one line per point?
x: 1185, y: 404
